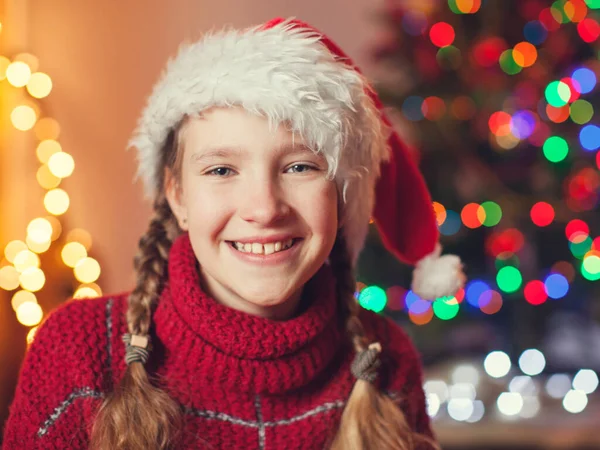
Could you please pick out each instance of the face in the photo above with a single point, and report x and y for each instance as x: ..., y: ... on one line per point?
x: 260, y: 212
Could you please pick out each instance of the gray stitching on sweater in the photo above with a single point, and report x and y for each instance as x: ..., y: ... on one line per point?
x: 261, y: 424
x: 213, y: 415
x: 313, y: 412
x: 85, y: 392
x: 109, y: 305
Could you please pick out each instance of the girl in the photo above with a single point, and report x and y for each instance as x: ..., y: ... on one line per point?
x: 265, y: 152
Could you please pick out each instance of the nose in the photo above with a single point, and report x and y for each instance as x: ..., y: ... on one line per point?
x: 264, y: 202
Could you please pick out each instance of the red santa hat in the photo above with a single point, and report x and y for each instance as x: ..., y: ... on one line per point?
x: 289, y: 72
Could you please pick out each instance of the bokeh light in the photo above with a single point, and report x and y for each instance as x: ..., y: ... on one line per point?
x: 589, y: 137
x: 542, y: 214
x: 18, y: 74
x: 581, y: 112
x: 556, y: 285
x: 87, y: 270
x: 39, y: 85
x: 497, y: 364
x: 558, y: 94
x: 72, y: 253
x: 445, y: 310
x: 525, y: 54
x: 46, y: 149
x: 585, y: 78
x: 535, y: 32
x: 23, y: 117
x: 508, y: 63
x: 575, y: 401
x: 442, y: 34
x: 492, y: 213
x: 535, y: 292
x: 532, y: 362
x: 61, y: 164
x: 372, y: 298
x: 56, y: 201
x: 21, y: 297
x: 440, y: 213
x: 32, y: 279
x: 451, y: 225
x: 589, y: 30
x: 473, y: 215
x: 29, y: 314
x: 509, y: 279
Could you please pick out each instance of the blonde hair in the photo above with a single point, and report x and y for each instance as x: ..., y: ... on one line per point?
x: 138, y: 415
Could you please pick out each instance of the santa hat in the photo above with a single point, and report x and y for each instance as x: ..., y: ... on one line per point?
x: 289, y: 72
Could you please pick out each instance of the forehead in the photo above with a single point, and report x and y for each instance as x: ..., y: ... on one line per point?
x: 235, y: 130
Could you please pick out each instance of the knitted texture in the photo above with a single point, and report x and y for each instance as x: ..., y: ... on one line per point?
x: 242, y: 381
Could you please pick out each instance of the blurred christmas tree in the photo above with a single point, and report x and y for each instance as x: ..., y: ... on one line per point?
x: 498, y: 98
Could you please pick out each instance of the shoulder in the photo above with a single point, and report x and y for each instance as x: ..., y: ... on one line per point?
x: 73, y: 338
x: 402, y: 361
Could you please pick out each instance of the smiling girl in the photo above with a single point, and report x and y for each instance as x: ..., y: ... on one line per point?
x: 266, y: 154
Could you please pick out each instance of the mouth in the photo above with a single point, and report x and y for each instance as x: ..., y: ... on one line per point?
x: 265, y: 249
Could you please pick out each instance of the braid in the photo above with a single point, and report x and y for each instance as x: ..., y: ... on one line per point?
x: 137, y: 415
x: 370, y: 418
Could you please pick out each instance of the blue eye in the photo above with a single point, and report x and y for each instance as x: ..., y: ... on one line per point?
x: 220, y: 171
x: 300, y: 168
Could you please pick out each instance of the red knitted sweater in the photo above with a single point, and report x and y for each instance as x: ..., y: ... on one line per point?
x: 242, y: 381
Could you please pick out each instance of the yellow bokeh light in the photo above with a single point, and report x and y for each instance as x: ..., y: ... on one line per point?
x: 22, y: 297
x: 85, y: 292
x: 39, y: 230
x: 47, y: 128
x: 81, y: 236
x: 46, y: 179
x: 18, y: 73
x: 72, y: 253
x: 29, y: 314
x: 9, y: 278
x: 23, y: 117
x: 31, y: 335
x: 38, y: 247
x: 29, y: 59
x: 46, y: 149
x: 61, y: 164
x: 92, y: 286
x: 13, y: 248
x: 507, y: 142
x: 32, y: 279
x: 56, y: 227
x: 26, y: 259
x: 39, y: 85
x: 4, y: 63
x: 56, y: 201
x: 87, y: 270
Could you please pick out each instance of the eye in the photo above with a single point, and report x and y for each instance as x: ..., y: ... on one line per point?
x: 300, y: 168
x: 220, y: 171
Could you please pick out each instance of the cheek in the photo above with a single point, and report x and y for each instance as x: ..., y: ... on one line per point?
x: 208, y: 212
x: 319, y: 208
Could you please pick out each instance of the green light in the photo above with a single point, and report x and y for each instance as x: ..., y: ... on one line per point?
x: 508, y: 63
x: 449, y: 57
x: 593, y: 4
x: 555, y: 149
x: 558, y: 94
x: 558, y: 11
x: 493, y: 213
x: 591, y: 276
x: 444, y: 310
x: 592, y: 264
x: 373, y: 298
x: 509, y: 279
x: 581, y: 248
x: 454, y: 7
x: 582, y: 111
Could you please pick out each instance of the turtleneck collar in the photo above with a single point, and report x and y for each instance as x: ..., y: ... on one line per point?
x: 246, y: 351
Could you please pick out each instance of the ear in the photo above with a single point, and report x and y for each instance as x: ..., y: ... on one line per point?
x: 175, y: 198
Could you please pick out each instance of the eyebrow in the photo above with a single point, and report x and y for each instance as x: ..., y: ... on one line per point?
x: 211, y: 153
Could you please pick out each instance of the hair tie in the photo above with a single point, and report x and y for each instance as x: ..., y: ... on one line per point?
x: 137, y: 348
x: 366, y: 363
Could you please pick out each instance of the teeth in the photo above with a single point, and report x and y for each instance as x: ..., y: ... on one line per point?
x: 266, y: 249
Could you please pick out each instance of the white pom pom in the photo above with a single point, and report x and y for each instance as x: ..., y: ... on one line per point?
x: 438, y: 276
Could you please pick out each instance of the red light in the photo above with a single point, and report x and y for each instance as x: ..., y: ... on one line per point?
x: 574, y: 87
x: 433, y: 108
x: 500, y: 123
x: 577, y: 230
x: 507, y: 241
x: 442, y: 34
x: 535, y: 292
x: 487, y: 52
x: 473, y: 215
x: 588, y: 29
x: 548, y: 20
x: 542, y: 214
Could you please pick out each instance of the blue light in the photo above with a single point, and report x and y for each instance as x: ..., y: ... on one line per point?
x: 589, y: 136
x: 556, y: 285
x: 474, y: 291
x: 412, y: 108
x: 535, y: 32
x: 416, y: 304
x: 586, y: 79
x: 522, y: 124
x: 451, y: 225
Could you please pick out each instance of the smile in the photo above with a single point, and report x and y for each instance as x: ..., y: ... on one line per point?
x: 263, y: 249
